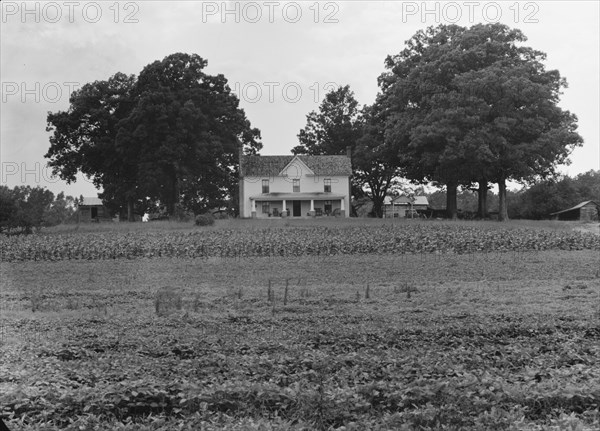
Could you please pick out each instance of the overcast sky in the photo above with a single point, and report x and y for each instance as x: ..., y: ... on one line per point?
x: 279, y: 57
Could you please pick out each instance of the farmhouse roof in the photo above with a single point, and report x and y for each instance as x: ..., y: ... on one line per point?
x: 270, y: 166
x: 576, y: 207
x: 90, y: 201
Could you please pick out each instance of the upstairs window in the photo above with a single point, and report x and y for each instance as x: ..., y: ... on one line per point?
x: 265, y: 186
x: 327, y: 187
x: 296, y: 185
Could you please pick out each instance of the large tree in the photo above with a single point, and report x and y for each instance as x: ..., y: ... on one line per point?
x: 475, y: 106
x: 340, y: 124
x: 377, y: 163
x: 84, y: 139
x: 169, y: 137
x: 25, y: 208
x: 334, y: 128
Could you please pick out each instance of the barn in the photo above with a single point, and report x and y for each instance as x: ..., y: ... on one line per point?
x: 93, y: 210
x: 401, y: 206
x: 585, y: 211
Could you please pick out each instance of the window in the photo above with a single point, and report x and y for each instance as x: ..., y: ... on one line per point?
x: 327, y: 207
x: 327, y: 182
x: 296, y: 185
x: 265, y: 186
x: 266, y: 208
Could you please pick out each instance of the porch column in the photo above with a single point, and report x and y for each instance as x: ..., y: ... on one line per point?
x: 283, y: 210
x: 312, y: 208
x: 253, y: 214
x: 342, y: 208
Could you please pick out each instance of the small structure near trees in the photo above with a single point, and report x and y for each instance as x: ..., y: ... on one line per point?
x: 585, y: 211
x: 92, y: 210
x: 404, y: 206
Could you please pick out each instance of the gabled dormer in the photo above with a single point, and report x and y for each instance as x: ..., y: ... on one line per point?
x: 296, y: 168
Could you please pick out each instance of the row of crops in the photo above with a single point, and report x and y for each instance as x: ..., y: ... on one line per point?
x: 290, y: 241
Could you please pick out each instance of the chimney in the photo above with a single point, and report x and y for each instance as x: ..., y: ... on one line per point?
x: 240, y: 159
x: 349, y: 151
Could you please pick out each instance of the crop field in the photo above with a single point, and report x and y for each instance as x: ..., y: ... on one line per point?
x: 349, y: 326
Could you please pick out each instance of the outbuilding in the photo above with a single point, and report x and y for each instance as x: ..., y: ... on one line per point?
x: 585, y: 211
x: 93, y: 210
x: 401, y: 206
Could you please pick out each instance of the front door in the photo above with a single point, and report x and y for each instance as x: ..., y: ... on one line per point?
x: 297, y: 208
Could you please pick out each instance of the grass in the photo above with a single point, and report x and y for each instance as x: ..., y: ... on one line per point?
x: 478, y: 341
x: 164, y: 225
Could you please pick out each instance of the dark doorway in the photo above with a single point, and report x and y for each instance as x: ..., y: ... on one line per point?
x: 94, y: 213
x: 297, y: 208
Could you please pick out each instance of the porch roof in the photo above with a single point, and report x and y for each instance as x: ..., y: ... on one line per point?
x: 297, y: 196
x: 91, y: 201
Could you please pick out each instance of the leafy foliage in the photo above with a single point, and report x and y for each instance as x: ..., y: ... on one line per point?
x: 292, y: 241
x: 535, y: 202
x: 340, y: 126
x: 25, y: 208
x: 205, y: 219
x: 172, y: 135
x: 475, y: 105
x: 334, y: 128
x: 475, y: 352
x: 549, y: 196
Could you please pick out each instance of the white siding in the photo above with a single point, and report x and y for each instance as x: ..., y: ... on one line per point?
x: 252, y: 186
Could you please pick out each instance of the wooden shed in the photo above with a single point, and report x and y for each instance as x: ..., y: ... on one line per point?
x: 401, y: 206
x: 93, y: 210
x: 585, y: 211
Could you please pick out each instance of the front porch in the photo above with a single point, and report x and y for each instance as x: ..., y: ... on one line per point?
x: 298, y: 205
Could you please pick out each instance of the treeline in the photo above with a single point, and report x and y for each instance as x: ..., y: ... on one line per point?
x: 168, y: 137
x: 457, y: 107
x: 536, y: 202
x: 460, y: 108
x: 25, y: 208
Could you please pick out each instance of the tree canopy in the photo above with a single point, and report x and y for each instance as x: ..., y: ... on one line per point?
x: 340, y: 125
x: 169, y: 137
x: 557, y: 194
x: 474, y: 105
x: 24, y: 208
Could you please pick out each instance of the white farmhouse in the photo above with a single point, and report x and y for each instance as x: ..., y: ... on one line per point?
x: 294, y: 186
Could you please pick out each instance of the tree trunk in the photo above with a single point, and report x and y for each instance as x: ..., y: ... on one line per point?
x: 502, y: 207
x: 482, y: 199
x: 377, y: 207
x: 173, y: 194
x: 451, y: 195
x: 130, y: 215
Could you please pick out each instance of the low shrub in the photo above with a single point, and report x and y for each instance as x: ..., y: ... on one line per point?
x: 205, y: 220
